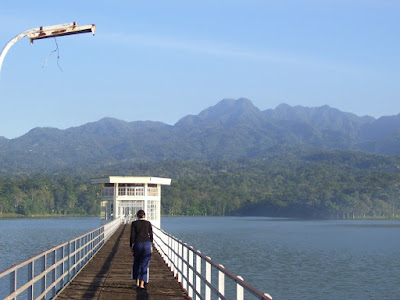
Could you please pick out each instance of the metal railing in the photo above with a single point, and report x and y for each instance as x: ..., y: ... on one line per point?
x: 44, y: 275
x: 201, y: 277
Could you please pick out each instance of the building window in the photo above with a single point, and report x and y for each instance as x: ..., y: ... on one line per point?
x: 152, y: 210
x: 107, y: 192
x: 152, y: 190
x: 106, y: 212
x: 129, y: 189
x: 129, y: 208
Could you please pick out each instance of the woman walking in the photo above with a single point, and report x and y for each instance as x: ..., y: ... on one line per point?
x: 141, y: 244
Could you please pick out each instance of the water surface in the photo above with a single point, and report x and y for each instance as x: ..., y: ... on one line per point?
x: 289, y: 259
x: 298, y: 259
x: 22, y: 238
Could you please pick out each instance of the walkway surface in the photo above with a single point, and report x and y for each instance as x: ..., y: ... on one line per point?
x: 107, y: 275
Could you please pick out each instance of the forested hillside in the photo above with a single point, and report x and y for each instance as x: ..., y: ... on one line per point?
x: 230, y: 159
x: 40, y: 194
x: 311, y: 184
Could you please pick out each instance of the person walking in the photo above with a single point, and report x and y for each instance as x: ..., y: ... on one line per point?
x: 141, y: 242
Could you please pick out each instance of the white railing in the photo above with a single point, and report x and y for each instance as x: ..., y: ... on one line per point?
x: 201, y: 277
x: 44, y: 275
x: 130, y: 191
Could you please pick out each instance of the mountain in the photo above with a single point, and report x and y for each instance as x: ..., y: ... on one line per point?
x: 227, y: 112
x: 324, y: 117
x: 231, y: 129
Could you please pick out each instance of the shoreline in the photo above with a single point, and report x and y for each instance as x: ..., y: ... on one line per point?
x: 8, y: 216
x: 15, y: 216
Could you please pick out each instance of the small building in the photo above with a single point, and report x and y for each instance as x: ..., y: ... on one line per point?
x: 123, y: 196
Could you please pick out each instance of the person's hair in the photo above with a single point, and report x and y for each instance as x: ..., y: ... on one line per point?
x: 140, y: 214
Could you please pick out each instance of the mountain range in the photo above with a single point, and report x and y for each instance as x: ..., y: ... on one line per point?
x: 232, y: 129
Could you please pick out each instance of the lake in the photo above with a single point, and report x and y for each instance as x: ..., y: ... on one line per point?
x: 287, y: 258
x: 22, y: 238
x: 301, y: 259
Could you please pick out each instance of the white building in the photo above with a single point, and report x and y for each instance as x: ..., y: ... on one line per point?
x: 123, y: 196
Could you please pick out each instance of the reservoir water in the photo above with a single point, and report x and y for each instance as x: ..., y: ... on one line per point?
x: 22, y: 238
x: 298, y: 259
x: 289, y: 259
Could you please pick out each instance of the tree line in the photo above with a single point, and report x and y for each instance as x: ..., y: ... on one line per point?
x: 41, y: 194
x: 323, y: 184
x: 304, y: 191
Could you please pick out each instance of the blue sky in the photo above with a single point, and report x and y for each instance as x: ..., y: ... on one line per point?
x: 163, y: 60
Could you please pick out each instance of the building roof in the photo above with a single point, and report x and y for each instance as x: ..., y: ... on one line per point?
x: 132, y: 179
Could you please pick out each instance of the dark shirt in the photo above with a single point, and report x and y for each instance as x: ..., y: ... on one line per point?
x: 141, y: 231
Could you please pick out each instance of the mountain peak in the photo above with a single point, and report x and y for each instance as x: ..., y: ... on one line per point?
x: 227, y: 111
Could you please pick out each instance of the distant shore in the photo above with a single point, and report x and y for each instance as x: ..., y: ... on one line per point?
x: 5, y: 216
x: 8, y: 216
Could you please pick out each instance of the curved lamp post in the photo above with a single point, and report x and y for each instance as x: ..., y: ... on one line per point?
x: 47, y: 32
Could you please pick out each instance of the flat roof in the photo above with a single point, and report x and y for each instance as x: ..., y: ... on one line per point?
x: 132, y: 179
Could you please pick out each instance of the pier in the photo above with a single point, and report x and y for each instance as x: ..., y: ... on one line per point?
x: 98, y: 264
x: 108, y: 275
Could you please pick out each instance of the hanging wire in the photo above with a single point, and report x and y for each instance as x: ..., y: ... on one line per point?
x: 58, y: 56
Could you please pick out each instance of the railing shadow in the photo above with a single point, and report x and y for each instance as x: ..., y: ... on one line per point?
x: 94, y: 286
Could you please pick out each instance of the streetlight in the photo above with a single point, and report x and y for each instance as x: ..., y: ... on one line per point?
x: 47, y: 32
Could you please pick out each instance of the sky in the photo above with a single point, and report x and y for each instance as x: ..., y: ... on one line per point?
x: 163, y: 60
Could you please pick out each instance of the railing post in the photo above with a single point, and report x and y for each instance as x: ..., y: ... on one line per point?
x: 93, y: 243
x: 239, y: 290
x: 163, y: 244
x: 169, y: 251
x: 44, y: 279
x: 62, y: 267
x: 179, y: 261
x: 81, y: 251
x: 88, y: 241
x: 69, y: 261
x: 185, y: 266
x: 90, y: 245
x: 175, y: 255
x: 53, y: 273
x: 208, y: 279
x: 31, y: 274
x: 75, y: 255
x: 79, y: 254
x: 221, y: 282
x: 13, y: 282
x: 85, y: 248
x: 172, y: 255
x: 198, y: 270
x: 190, y: 288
